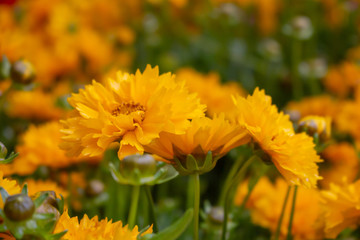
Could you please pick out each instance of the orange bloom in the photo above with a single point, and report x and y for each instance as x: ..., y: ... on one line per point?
x: 93, y: 229
x: 216, y: 135
x: 130, y: 109
x: 292, y: 154
x: 265, y: 204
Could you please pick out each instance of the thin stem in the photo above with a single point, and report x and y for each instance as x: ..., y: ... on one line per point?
x: 252, y: 185
x: 196, y: 180
x: 292, y: 214
x: 277, y: 233
x: 234, y: 169
x: 228, y: 199
x: 134, y: 205
x: 295, y: 59
x: 152, y: 208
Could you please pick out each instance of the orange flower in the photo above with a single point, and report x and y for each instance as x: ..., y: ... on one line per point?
x: 216, y: 135
x: 342, y: 204
x: 342, y: 160
x: 265, y: 204
x: 215, y: 95
x: 292, y: 154
x: 93, y: 229
x: 130, y: 109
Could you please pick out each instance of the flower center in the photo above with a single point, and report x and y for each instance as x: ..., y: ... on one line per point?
x: 130, y: 108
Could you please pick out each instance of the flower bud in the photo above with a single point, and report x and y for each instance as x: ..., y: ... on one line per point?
x: 315, y: 125
x: 22, y: 72
x: 19, y: 207
x: 94, y: 188
x: 216, y: 215
x: 145, y: 164
x: 3, y: 151
x: 300, y: 28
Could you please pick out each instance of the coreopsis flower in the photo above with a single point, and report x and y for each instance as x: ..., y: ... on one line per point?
x: 322, y: 105
x: 211, y: 92
x: 340, y: 160
x: 11, y: 186
x: 342, y: 204
x: 292, y: 154
x: 131, y: 109
x: 39, y: 147
x: 36, y: 105
x: 93, y: 229
x: 342, y: 79
x: 35, y: 186
x: 316, y: 125
x: 205, y: 135
x: 265, y: 204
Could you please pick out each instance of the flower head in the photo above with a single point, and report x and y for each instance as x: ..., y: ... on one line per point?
x: 11, y: 186
x: 93, y: 229
x: 130, y: 109
x: 342, y: 204
x: 205, y: 135
x: 31, y: 155
x: 266, y: 201
x: 292, y: 154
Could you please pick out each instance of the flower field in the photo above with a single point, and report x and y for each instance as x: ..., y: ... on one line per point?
x: 180, y: 119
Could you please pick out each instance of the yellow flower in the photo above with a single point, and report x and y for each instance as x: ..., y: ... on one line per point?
x: 322, y: 105
x: 33, y: 105
x: 93, y: 229
x: 216, y: 135
x: 39, y: 147
x: 342, y: 160
x: 215, y: 95
x: 342, y: 79
x: 316, y: 124
x: 35, y: 186
x: 265, y: 204
x: 130, y: 109
x: 342, y: 204
x: 292, y: 154
x: 11, y: 186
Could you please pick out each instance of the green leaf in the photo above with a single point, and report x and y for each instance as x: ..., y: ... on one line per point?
x: 191, y: 163
x: 10, y: 158
x: 175, y: 230
x: 58, y: 235
x: 41, y: 199
x: 4, y: 194
x: 5, y: 67
x: 24, y: 190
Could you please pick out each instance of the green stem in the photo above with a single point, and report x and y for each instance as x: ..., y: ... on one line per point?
x: 234, y: 169
x: 297, y: 87
x: 152, y: 208
x: 134, y: 205
x: 277, y: 233
x: 196, y: 180
x: 292, y: 214
x: 228, y: 198
x: 252, y: 185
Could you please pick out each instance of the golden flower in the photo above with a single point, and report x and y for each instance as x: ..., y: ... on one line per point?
x: 211, y: 92
x: 342, y: 204
x: 316, y: 125
x: 216, y: 135
x: 322, y: 105
x: 342, y: 79
x: 266, y: 201
x: 293, y: 154
x: 36, y: 105
x: 39, y: 147
x: 35, y: 186
x: 93, y: 229
x: 11, y: 186
x: 348, y: 119
x: 130, y: 109
x: 340, y: 160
